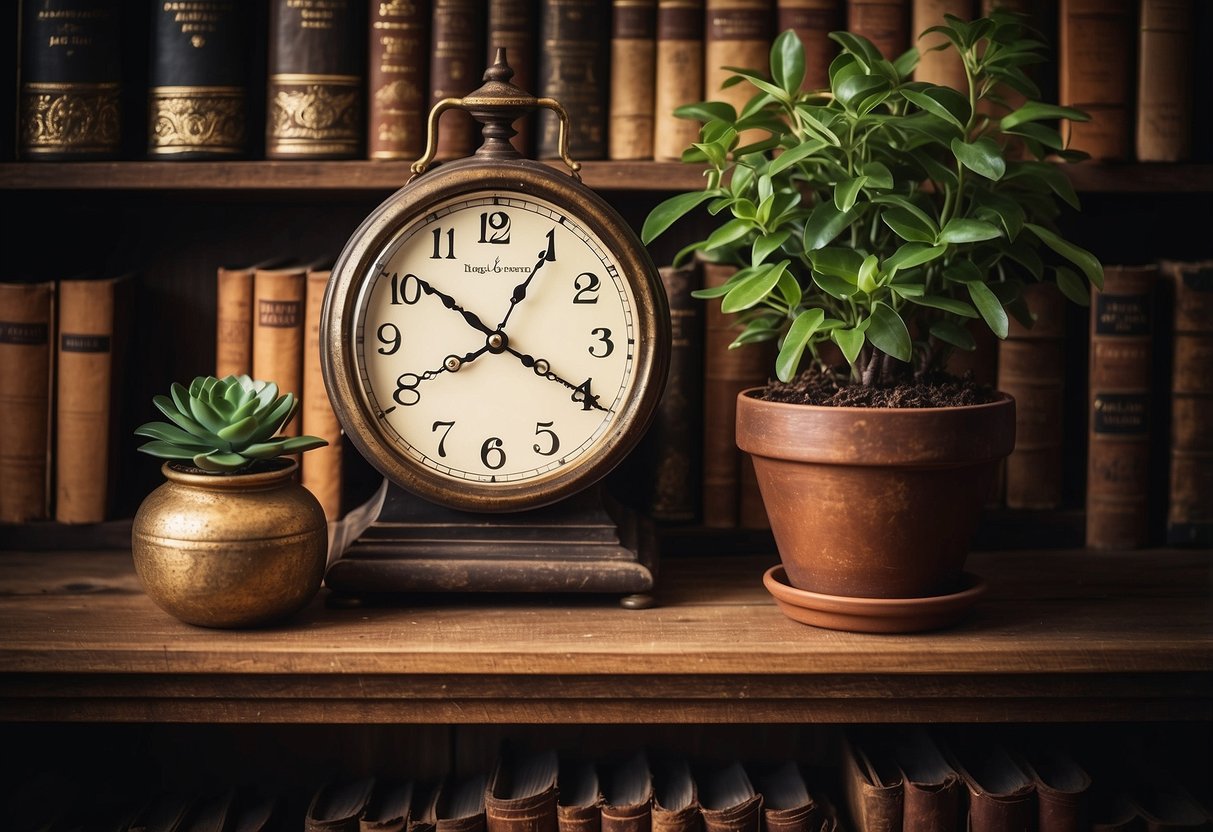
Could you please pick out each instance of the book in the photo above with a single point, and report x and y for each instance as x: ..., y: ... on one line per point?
x: 315, y: 80
x: 1001, y: 795
x: 234, y: 320
x: 1095, y: 60
x: 787, y: 805
x: 633, y: 79
x: 1189, y: 509
x: 1118, y: 436
x: 1062, y: 788
x: 459, y: 806
x: 627, y: 794
x: 932, y: 798
x: 579, y: 803
x: 88, y: 413
x: 164, y: 812
x: 27, y: 343
x: 938, y: 66
x: 521, y: 794
x: 737, y: 33
x: 812, y: 21
x: 871, y: 784
x: 1164, y: 81
x: 727, y: 799
x: 886, y: 23
x: 198, y: 82
x: 397, y: 80
x: 71, y: 80
x: 279, y: 300
x: 514, y: 26
x: 675, y: 800
x: 320, y: 469
x: 387, y: 809
x: 1031, y: 369
x: 456, y: 53
x: 573, y: 54
x: 678, y: 75
x: 337, y: 805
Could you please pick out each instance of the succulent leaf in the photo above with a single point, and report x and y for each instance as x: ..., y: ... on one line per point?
x: 166, y: 450
x: 265, y: 450
x: 171, y: 433
x: 206, y: 415
x: 182, y: 420
x: 299, y: 444
x: 220, y: 462
x: 240, y: 432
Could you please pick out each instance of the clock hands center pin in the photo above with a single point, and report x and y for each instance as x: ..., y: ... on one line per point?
x: 582, y: 393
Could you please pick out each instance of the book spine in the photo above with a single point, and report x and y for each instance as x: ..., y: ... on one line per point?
x: 316, y: 70
x: 198, y: 85
x: 397, y: 83
x: 1031, y: 368
x: 1118, y: 450
x: 573, y: 70
x: 1190, y: 509
x: 736, y: 33
x: 455, y: 70
x: 71, y: 79
x: 679, y: 75
x: 943, y: 67
x: 513, y: 25
x: 279, y: 296
x: 27, y: 326
x: 633, y: 79
x: 1095, y: 60
x: 1164, y: 81
x: 884, y: 22
x: 233, y: 322
x: 812, y: 21
x: 321, y: 467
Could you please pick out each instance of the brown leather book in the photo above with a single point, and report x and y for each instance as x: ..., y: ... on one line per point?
x: 1118, y: 436
x: 162, y: 813
x: 279, y: 301
x: 208, y: 813
x: 423, y: 809
x: 387, y: 809
x: 633, y: 79
x: 737, y: 33
x: 456, y: 56
x: 316, y: 74
x: 943, y: 67
x: 627, y: 795
x: 92, y: 330
x: 1031, y: 368
x: 884, y: 22
x: 932, y: 794
x: 574, y: 46
x: 728, y: 801
x: 1001, y: 796
x: 234, y: 320
x: 521, y: 795
x: 337, y: 805
x: 872, y: 784
x: 460, y: 806
x: 27, y: 344
x: 787, y: 805
x: 1164, y: 80
x: 1190, y: 509
x: 812, y: 21
x: 679, y: 75
x: 1095, y: 49
x: 514, y: 26
x: 398, y: 87
x: 675, y: 799
x: 320, y: 468
x: 579, y: 806
x: 1062, y: 788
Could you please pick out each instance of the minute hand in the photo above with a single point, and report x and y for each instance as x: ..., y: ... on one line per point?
x: 520, y: 290
x: 450, y: 303
x: 543, y: 369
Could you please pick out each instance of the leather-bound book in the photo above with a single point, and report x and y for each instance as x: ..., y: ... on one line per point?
x: 1190, y: 505
x: 812, y: 21
x: 884, y: 22
x: 316, y: 71
x: 579, y: 806
x: 679, y: 75
x: 337, y: 805
x: 460, y: 805
x: 1164, y: 80
x: 1001, y: 796
x: 872, y: 784
x: 633, y: 79
x: 234, y: 320
x: 627, y: 795
x: 456, y: 68
x: 167, y: 812
x: 514, y: 26
x: 1118, y: 436
x: 279, y: 301
x: 675, y: 800
x: 1096, y: 59
x: 728, y: 801
x: 198, y: 82
x: 398, y: 87
x: 1031, y: 368
x: 944, y: 66
x: 932, y: 798
x: 71, y: 79
x: 787, y: 805
x: 574, y: 43
x: 521, y: 795
x: 27, y: 343
x: 91, y: 331
x: 320, y: 469
x: 387, y: 809
x: 737, y: 33
x: 1062, y: 789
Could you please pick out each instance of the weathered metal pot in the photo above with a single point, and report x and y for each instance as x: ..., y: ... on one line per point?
x: 874, y: 502
x: 230, y: 550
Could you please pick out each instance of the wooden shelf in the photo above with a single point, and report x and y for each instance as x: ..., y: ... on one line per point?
x: 385, y: 177
x: 1072, y: 636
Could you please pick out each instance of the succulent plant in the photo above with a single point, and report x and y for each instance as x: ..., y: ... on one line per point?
x: 224, y: 425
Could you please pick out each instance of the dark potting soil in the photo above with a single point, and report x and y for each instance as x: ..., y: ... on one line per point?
x: 814, y: 386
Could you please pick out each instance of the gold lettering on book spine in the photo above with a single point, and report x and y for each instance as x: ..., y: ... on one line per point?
x: 70, y: 118
x: 311, y: 114
x: 185, y: 119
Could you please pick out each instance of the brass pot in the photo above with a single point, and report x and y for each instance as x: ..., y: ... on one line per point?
x: 230, y: 550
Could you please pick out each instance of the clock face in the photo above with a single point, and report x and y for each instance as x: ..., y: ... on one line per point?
x: 495, y: 343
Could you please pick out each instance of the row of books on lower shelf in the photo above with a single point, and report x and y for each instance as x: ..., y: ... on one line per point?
x: 887, y: 780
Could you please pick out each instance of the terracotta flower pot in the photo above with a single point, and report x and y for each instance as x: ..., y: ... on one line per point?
x: 874, y: 502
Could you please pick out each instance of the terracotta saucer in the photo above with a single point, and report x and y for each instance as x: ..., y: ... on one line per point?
x: 872, y: 615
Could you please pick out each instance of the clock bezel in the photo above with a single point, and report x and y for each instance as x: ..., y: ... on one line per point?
x: 339, y: 321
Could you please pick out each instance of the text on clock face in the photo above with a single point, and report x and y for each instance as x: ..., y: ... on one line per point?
x: 496, y: 339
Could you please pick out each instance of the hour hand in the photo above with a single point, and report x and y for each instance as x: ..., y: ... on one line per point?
x: 582, y: 394
x: 450, y: 303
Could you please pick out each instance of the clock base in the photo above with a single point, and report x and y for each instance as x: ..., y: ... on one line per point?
x: 585, y: 544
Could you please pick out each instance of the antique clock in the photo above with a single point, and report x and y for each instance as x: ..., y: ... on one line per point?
x: 494, y: 340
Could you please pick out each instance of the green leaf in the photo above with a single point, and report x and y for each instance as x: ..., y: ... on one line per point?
x: 912, y: 254
x: 878, y: 175
x: 908, y: 290
x: 167, y: 450
x: 206, y: 416
x: 834, y: 286
x: 181, y: 420
x: 953, y: 333
x: 756, y: 331
x: 907, y: 62
x: 846, y: 191
x: 856, y: 88
x: 888, y: 332
x: 754, y: 289
x: 941, y: 102
x: 826, y: 222
x: 859, y: 46
x: 983, y: 157
x: 953, y: 305
x: 670, y: 211
x: 173, y: 434
x: 265, y: 450
x: 850, y: 341
x: 1047, y: 136
x: 867, y: 274
x: 907, y: 226
x: 299, y: 444
x: 837, y: 261
x: 789, y: 288
x: 239, y: 432
x: 794, y: 343
x: 990, y: 308
x: 906, y: 205
x: 276, y: 417
x: 767, y: 243
x: 1072, y: 287
x: 1080, y: 257
x: 221, y: 463
x: 787, y: 62
x: 760, y: 82
x: 792, y: 155
x: 180, y: 398
x: 730, y: 232
x: 968, y: 231
x: 1038, y: 111
x: 707, y: 111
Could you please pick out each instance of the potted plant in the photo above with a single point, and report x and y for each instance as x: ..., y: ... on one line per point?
x: 873, y: 223
x: 231, y: 539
